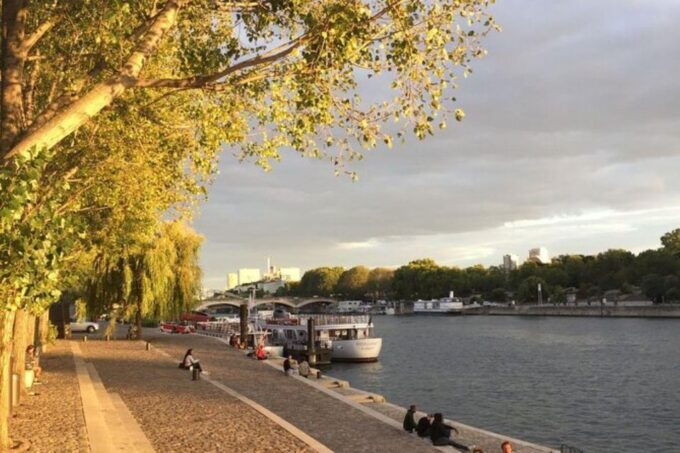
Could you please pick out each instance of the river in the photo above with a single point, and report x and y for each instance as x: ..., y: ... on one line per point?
x: 602, y: 385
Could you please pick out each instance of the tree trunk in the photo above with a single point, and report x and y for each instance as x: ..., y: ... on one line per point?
x: 11, y: 73
x: 43, y: 330
x: 19, y: 343
x: 30, y: 329
x: 6, y: 326
x: 138, y: 323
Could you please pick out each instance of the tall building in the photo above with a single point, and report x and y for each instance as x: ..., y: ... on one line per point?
x: 539, y: 255
x: 290, y: 274
x: 248, y: 276
x: 232, y: 280
x: 510, y: 262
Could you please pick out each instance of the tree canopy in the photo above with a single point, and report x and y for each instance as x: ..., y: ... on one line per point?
x: 653, y: 273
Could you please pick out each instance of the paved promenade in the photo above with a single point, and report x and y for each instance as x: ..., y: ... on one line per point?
x: 333, y: 423
x: 118, y: 396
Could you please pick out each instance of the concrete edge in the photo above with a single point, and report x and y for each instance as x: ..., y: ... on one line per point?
x: 295, y: 431
x: 498, y: 436
x: 98, y: 436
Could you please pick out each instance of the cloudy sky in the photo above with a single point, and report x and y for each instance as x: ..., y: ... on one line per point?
x: 571, y: 141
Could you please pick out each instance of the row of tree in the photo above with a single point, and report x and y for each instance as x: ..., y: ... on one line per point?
x: 654, y: 272
x: 112, y: 114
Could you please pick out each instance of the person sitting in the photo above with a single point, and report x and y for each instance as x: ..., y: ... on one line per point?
x: 440, y: 433
x: 260, y: 352
x: 409, y: 421
x: 189, y: 362
x: 423, y: 426
x: 32, y: 363
x: 287, y: 366
x: 303, y: 369
x: 506, y: 447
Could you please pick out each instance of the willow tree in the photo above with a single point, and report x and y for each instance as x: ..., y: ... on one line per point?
x: 158, y: 279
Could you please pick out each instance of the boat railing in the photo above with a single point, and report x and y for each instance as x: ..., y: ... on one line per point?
x: 217, y: 328
x: 324, y: 319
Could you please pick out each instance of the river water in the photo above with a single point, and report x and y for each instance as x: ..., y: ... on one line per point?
x: 602, y: 385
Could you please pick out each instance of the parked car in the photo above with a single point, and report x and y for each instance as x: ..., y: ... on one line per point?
x: 84, y: 326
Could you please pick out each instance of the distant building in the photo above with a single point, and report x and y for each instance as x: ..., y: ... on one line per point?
x: 232, y: 280
x: 510, y: 262
x: 287, y: 274
x: 248, y: 276
x: 290, y: 274
x: 539, y: 255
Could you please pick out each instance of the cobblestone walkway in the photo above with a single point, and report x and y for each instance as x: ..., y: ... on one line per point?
x: 178, y: 414
x: 52, y: 420
x: 333, y: 423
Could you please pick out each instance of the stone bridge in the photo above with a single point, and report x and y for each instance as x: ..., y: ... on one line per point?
x: 290, y: 302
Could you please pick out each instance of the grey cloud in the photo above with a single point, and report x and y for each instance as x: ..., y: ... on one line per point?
x: 575, y: 109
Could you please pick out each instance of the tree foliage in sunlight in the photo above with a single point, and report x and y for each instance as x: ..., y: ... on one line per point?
x: 159, y: 279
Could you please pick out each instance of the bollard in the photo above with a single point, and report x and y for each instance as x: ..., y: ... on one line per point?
x: 15, y: 390
x: 107, y: 337
x: 195, y: 374
x: 318, y: 374
x: 148, y: 346
x: 85, y: 339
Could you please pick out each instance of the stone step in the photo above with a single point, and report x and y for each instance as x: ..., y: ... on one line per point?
x: 334, y: 383
x: 366, y: 398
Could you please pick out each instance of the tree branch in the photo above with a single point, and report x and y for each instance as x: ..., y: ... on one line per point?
x: 102, y: 94
x: 200, y: 81
x: 30, y: 41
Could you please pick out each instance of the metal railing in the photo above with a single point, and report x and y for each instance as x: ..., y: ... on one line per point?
x: 320, y: 320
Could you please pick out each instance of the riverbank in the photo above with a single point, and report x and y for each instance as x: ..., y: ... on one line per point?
x: 596, y: 310
x: 100, y: 396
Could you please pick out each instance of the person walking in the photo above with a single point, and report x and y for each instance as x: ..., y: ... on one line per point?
x: 409, y: 421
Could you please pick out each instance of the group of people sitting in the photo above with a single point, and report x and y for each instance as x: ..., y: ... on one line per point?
x: 290, y: 365
x: 433, y: 426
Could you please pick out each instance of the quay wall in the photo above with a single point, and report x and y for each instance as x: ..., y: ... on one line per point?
x: 606, y: 311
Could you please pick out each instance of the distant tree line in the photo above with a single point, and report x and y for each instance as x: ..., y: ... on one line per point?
x: 653, y: 273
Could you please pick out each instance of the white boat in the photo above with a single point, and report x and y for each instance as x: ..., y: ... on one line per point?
x: 349, y: 338
x: 445, y: 306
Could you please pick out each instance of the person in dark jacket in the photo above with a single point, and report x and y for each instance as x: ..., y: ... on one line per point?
x: 423, y: 427
x: 440, y: 433
x: 409, y: 421
x: 287, y: 366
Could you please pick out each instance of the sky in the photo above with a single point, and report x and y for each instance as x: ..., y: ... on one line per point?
x: 571, y: 141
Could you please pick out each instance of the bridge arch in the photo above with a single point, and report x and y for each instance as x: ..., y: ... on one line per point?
x: 285, y: 302
x: 317, y: 300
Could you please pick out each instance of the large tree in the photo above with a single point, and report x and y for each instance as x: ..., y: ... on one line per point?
x: 263, y: 76
x: 353, y: 282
